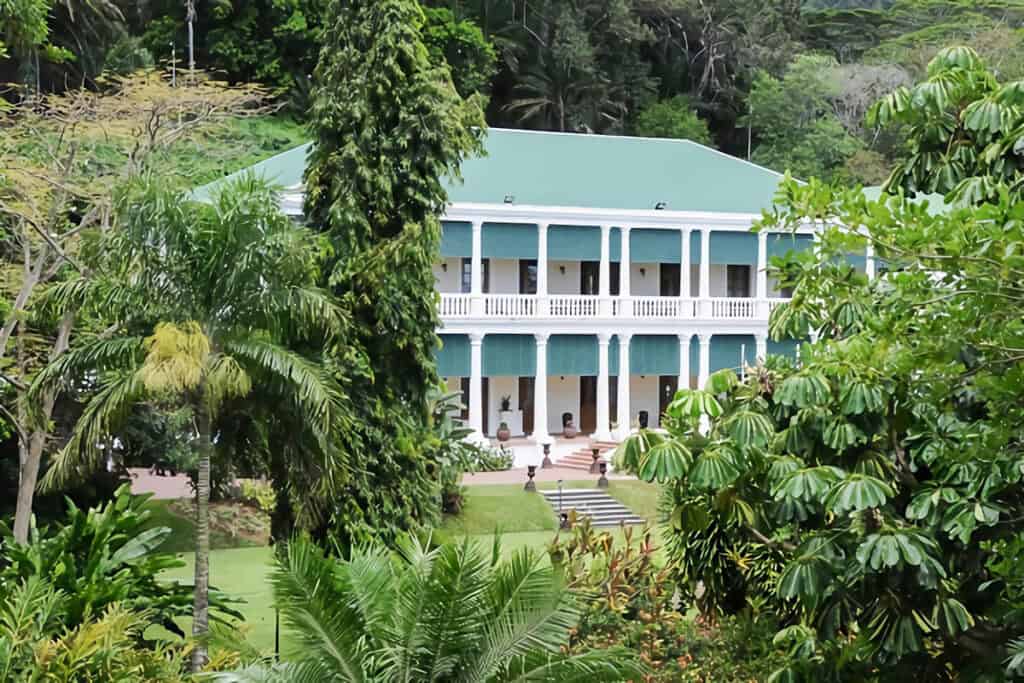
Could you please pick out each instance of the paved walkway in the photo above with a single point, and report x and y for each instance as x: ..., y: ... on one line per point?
x: 162, y: 488
x: 524, y: 452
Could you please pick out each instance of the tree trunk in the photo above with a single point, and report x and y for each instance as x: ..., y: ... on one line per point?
x: 201, y: 601
x: 31, y: 455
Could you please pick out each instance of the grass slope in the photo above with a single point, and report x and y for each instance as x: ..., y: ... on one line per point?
x: 517, y: 518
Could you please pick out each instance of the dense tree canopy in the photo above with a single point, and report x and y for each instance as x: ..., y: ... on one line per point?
x: 872, y: 493
x: 389, y: 126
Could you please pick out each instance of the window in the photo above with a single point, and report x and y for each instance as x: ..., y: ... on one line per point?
x: 467, y: 275
x: 527, y: 276
x: 737, y: 281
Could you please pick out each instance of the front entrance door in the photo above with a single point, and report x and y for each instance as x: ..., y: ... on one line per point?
x: 588, y: 405
x: 526, y: 385
x: 667, y: 385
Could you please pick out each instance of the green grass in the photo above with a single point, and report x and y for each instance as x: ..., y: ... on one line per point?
x: 523, y: 520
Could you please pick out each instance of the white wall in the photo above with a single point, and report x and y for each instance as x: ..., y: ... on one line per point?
x: 448, y: 282
x: 504, y: 276
x: 646, y: 285
x: 719, y: 279
x: 643, y: 395
x: 564, y: 284
x: 563, y: 397
x: 498, y: 387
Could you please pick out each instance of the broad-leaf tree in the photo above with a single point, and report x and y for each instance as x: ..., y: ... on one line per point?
x: 872, y: 493
x: 195, y: 301
x: 454, y: 613
x: 389, y: 128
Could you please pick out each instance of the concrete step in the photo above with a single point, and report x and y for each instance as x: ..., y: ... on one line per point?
x: 596, y: 504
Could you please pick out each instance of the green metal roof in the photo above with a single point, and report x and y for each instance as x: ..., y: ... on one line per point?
x: 587, y: 171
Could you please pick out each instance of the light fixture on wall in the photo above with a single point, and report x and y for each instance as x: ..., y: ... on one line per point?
x: 561, y: 269
x: 563, y: 378
x: 643, y: 272
x: 660, y: 206
x: 444, y: 267
x: 510, y: 199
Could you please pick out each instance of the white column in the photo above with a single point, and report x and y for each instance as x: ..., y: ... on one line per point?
x: 540, y: 391
x: 476, y: 385
x: 542, y: 269
x: 684, y: 359
x: 761, y: 339
x: 762, y: 275
x: 625, y: 295
x: 869, y: 262
x: 625, y: 416
x: 476, y: 271
x: 705, y: 271
x: 705, y: 360
x: 684, y: 265
x: 601, y: 433
x: 814, y: 336
x: 603, y: 273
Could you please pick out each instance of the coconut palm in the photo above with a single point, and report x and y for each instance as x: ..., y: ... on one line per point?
x: 196, y: 303
x: 454, y: 613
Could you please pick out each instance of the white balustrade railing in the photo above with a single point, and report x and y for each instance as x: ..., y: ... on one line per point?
x: 510, y: 305
x: 455, y: 305
x: 733, y: 308
x: 662, y: 307
x: 576, y: 306
x: 573, y: 306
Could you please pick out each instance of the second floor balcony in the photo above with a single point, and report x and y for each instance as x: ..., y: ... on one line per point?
x: 457, y: 306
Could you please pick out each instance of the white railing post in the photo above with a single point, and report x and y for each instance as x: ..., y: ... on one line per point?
x: 476, y: 388
x: 762, y: 274
x: 624, y: 417
x: 626, y: 309
x: 684, y: 359
x: 542, y: 270
x: 705, y: 272
x: 705, y: 359
x: 601, y: 433
x: 476, y: 271
x: 604, y: 273
x: 684, y: 274
x: 540, y: 391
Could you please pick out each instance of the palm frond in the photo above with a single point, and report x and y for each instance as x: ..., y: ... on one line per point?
x: 309, y: 591
x: 108, y: 407
x: 309, y: 384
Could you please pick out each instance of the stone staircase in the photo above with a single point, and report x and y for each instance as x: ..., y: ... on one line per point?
x: 602, y: 509
x: 582, y: 458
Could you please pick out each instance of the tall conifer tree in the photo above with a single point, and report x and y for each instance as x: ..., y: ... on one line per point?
x: 389, y: 128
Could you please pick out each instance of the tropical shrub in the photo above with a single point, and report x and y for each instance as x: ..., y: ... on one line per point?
x: 36, y: 645
x: 101, y: 557
x: 260, y: 494
x: 631, y: 601
x: 456, y: 612
x: 490, y: 459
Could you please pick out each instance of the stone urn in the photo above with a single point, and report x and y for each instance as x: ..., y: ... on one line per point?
x: 504, y: 433
x: 569, y: 431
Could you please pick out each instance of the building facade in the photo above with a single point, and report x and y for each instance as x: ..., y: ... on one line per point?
x: 582, y: 279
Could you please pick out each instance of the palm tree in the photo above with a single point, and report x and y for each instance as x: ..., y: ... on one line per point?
x: 197, y: 301
x: 455, y: 613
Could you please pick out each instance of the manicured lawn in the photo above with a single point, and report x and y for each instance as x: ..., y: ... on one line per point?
x: 521, y: 519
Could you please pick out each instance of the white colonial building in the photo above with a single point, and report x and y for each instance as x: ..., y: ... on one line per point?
x: 586, y: 277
